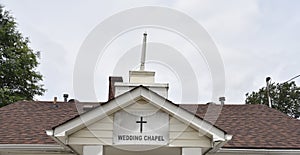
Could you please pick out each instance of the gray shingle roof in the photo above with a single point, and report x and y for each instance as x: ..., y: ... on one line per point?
x: 252, y: 126
x: 25, y: 122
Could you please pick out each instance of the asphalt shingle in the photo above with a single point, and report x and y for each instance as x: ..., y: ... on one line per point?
x: 25, y: 122
x: 252, y: 126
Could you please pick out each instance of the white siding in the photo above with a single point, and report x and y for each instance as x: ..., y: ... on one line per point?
x: 100, y: 133
x: 182, y: 135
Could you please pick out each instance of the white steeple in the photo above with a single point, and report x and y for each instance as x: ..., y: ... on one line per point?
x: 143, y: 55
x: 142, y: 77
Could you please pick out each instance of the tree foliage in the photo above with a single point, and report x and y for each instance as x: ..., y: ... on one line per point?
x: 285, y: 97
x: 18, y: 78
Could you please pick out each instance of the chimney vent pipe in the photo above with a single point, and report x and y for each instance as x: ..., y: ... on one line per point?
x: 65, y: 97
x: 55, y: 100
x: 54, y: 103
x: 222, y: 100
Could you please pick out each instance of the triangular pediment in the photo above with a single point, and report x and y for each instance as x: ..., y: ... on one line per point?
x: 102, y: 131
x: 96, y: 126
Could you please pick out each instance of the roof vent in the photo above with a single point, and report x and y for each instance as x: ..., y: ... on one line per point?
x: 210, y: 103
x: 65, y: 97
x: 54, y: 103
x: 222, y: 100
x: 88, y: 107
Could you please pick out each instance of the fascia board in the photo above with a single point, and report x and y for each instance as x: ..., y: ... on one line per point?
x: 29, y: 147
x: 95, y: 114
x: 260, y: 151
x: 179, y: 113
x: 125, y: 100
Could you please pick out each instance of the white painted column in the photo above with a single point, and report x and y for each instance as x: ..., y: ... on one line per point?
x: 191, y: 151
x: 93, y: 150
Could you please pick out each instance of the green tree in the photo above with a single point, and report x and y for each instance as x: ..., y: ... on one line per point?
x: 285, y: 97
x: 18, y: 78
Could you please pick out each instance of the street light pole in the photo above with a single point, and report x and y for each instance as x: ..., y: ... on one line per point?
x: 268, y: 80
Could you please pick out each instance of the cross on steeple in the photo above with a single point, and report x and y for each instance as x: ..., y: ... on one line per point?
x: 141, y: 124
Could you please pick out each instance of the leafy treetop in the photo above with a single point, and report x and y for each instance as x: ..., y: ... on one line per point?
x: 285, y: 97
x: 18, y: 78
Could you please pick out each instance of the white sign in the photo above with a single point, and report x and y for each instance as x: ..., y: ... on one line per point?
x: 141, y: 128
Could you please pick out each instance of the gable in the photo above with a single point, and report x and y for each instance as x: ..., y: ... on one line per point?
x: 98, y: 126
x: 101, y: 132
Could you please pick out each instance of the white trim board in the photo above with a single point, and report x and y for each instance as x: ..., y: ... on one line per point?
x: 230, y: 151
x: 129, y: 98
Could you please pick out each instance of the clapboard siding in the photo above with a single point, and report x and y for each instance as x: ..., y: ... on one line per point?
x: 91, y: 134
x: 180, y: 134
x: 101, y: 126
x: 190, y: 143
x: 185, y: 135
x: 98, y: 133
x: 141, y: 105
x: 89, y: 141
x: 180, y: 127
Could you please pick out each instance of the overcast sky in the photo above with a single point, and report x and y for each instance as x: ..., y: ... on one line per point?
x: 255, y: 39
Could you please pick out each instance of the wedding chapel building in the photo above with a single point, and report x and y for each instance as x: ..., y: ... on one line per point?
x: 138, y: 118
